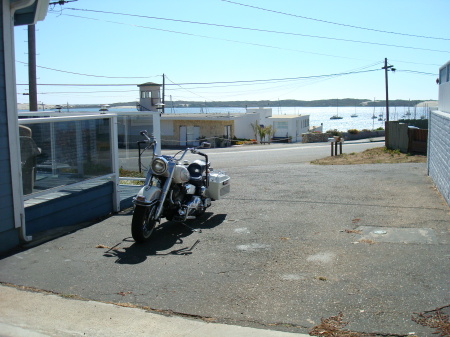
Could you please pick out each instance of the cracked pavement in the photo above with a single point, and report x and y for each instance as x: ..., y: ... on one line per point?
x: 281, y: 251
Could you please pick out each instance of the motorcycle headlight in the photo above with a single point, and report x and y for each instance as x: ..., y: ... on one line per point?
x: 159, y: 166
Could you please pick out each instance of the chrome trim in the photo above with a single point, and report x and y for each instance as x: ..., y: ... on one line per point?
x: 164, y: 162
x: 162, y: 197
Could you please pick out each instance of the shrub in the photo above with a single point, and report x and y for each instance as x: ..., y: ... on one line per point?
x: 379, y: 129
x: 353, y: 131
x: 334, y: 132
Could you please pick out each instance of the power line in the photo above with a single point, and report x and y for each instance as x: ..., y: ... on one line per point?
x: 219, y: 82
x: 179, y: 85
x: 337, y: 23
x: 257, y: 30
x: 85, y: 85
x: 418, y: 72
x: 281, y: 79
x: 84, y: 92
x: 215, y: 38
x: 74, y: 73
x: 236, y: 41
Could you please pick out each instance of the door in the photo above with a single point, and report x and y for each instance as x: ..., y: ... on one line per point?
x: 183, y: 135
x: 189, y: 135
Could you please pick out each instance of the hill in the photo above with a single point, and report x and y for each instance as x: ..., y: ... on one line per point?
x: 267, y: 103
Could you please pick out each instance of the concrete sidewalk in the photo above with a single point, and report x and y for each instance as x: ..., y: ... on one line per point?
x: 34, y: 314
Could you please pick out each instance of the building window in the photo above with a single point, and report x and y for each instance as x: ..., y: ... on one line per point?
x: 443, y: 75
x: 281, y: 125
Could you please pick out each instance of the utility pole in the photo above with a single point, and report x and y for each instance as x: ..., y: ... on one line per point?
x: 32, y: 82
x: 163, y: 92
x: 386, y: 69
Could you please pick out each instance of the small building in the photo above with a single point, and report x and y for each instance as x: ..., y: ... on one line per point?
x: 286, y: 127
x: 189, y: 129
x: 149, y: 97
x: 438, y: 136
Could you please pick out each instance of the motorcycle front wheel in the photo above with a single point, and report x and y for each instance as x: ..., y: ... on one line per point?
x: 141, y: 225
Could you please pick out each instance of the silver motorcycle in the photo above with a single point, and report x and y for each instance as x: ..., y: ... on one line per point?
x: 175, y: 189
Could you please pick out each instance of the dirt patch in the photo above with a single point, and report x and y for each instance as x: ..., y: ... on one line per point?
x: 378, y: 155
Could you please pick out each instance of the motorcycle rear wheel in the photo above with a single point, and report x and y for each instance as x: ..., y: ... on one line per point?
x: 141, y: 225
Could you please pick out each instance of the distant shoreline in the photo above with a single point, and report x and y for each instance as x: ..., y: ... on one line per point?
x: 349, y: 102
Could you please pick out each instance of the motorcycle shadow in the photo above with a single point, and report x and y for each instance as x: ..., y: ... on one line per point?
x: 165, y: 236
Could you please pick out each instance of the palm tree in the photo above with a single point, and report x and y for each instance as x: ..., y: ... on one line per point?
x: 255, y: 128
x: 270, y: 131
x: 262, y: 133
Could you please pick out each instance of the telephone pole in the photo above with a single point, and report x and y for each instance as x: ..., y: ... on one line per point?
x: 386, y: 69
x: 32, y: 82
x: 163, y: 101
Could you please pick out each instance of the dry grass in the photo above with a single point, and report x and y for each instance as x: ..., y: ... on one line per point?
x: 435, y: 319
x: 378, y: 155
x: 334, y: 326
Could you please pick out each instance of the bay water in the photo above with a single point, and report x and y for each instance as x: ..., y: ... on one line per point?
x: 367, y: 117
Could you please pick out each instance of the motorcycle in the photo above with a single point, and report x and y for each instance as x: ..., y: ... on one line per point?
x: 175, y: 189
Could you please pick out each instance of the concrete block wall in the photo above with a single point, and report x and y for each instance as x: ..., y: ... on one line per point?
x: 439, y: 151
x: 208, y: 129
x: 315, y: 137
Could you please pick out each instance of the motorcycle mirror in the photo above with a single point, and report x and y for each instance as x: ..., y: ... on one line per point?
x: 205, y: 145
x: 143, y: 132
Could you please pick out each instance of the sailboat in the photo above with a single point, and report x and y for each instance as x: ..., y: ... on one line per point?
x: 337, y: 114
x: 104, y: 107
x: 336, y: 117
x: 381, y: 115
x: 373, y: 113
x: 353, y: 115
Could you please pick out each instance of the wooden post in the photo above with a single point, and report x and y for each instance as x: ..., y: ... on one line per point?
x: 335, y: 148
x: 340, y: 147
x: 331, y: 148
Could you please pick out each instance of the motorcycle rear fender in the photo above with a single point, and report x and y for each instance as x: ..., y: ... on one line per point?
x: 147, y: 196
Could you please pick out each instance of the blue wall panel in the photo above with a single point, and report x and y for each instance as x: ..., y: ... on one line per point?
x: 69, y: 210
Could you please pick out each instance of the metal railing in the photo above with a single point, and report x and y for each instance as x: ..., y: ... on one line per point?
x: 68, y: 150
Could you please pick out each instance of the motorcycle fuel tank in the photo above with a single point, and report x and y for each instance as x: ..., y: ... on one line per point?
x: 181, y: 174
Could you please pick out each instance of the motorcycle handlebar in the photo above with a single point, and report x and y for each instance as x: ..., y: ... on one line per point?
x: 195, y: 151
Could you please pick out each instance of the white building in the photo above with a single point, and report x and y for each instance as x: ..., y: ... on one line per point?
x: 439, y: 136
x: 187, y: 129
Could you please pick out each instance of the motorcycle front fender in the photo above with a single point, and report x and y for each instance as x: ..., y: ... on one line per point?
x: 147, y: 196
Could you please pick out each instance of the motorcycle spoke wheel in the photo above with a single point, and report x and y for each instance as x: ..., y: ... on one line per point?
x: 141, y: 225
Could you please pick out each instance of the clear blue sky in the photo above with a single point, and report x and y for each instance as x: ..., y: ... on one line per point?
x: 140, y: 48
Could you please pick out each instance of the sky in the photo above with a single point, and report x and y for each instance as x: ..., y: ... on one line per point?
x: 97, y: 51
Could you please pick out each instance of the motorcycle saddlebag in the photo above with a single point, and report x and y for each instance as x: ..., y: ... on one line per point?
x: 219, y: 185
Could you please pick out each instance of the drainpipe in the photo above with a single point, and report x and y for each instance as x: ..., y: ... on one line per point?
x: 16, y: 5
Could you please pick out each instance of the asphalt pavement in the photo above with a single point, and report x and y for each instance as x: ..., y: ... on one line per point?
x: 291, y: 244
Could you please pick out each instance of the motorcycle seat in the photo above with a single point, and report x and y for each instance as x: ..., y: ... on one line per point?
x: 196, y: 171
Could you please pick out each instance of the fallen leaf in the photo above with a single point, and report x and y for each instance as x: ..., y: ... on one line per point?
x: 353, y: 231
x: 124, y: 293
x: 370, y: 242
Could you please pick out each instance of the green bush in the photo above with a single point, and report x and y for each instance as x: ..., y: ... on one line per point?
x: 353, y: 131
x: 334, y: 132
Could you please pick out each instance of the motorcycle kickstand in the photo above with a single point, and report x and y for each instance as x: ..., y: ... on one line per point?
x: 192, y: 229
